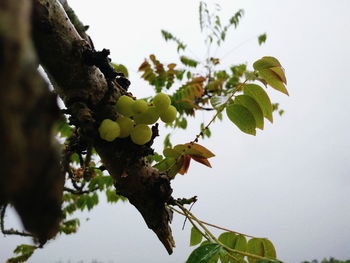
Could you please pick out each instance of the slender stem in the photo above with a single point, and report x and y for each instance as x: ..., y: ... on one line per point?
x: 79, y: 192
x: 196, y: 219
x: 219, y: 111
x: 212, y: 225
x: 195, y: 226
x: 9, y: 231
x: 233, y: 257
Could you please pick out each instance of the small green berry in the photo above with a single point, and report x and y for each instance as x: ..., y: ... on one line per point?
x: 169, y: 115
x: 141, y: 134
x: 124, y: 105
x: 139, y: 107
x: 126, y: 125
x: 149, y: 117
x: 161, y: 101
x: 109, y: 130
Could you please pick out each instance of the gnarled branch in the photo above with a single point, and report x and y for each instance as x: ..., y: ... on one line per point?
x: 90, y: 96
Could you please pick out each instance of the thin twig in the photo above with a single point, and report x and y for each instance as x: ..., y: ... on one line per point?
x: 183, y: 226
x: 204, y: 234
x: 79, y: 192
x: 218, y: 111
x: 212, y: 225
x: 9, y: 231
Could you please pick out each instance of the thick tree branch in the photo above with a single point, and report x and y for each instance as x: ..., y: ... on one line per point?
x: 90, y: 98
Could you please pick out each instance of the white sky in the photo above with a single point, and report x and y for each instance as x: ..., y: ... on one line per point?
x: 290, y: 183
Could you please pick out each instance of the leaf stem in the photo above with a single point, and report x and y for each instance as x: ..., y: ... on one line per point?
x: 188, y: 213
x: 219, y: 111
x: 212, y: 225
x: 195, y: 226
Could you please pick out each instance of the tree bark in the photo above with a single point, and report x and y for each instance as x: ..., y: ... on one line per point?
x: 90, y: 96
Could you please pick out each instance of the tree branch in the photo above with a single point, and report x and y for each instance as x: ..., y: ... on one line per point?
x: 90, y: 97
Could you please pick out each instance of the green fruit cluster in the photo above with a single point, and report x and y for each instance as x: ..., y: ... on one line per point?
x: 136, y: 116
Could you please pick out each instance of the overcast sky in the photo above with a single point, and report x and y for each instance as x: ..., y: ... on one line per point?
x: 290, y: 183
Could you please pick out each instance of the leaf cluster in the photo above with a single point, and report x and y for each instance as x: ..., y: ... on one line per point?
x: 231, y: 247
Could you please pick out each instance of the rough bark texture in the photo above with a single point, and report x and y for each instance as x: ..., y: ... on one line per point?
x: 89, y: 96
x: 30, y: 177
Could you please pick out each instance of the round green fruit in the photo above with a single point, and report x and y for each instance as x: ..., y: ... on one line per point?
x: 109, y: 130
x: 161, y: 101
x: 141, y: 134
x: 169, y: 115
x: 139, y: 107
x: 124, y: 105
x: 126, y: 125
x: 149, y: 117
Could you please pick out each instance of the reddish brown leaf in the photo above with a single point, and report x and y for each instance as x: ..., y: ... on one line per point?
x: 171, y: 66
x: 197, y: 80
x: 144, y: 65
x: 152, y: 57
x: 185, y: 164
x: 198, y: 150
x: 203, y: 161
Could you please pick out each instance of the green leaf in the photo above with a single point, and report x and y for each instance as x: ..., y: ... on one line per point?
x: 64, y: 129
x: 266, y: 63
x: 24, y: 252
x: 81, y: 202
x: 205, y: 132
x: 120, y: 68
x: 165, y: 164
x: 261, y: 97
x: 279, y: 71
x: 253, y: 107
x: 194, y: 149
x: 234, y: 20
x: 270, y: 70
x: 188, y: 61
x: 112, y: 196
x: 273, y: 80
x: 262, y: 39
x: 255, y: 246
x: 75, y: 158
x: 242, y: 117
x: 241, y: 243
x: 196, y: 237
x: 167, y: 142
x: 170, y: 165
x: 69, y: 226
x: 228, y: 239
x: 269, y: 249
x: 204, y: 254
x: 169, y: 152
x: 219, y: 101
x: 169, y: 37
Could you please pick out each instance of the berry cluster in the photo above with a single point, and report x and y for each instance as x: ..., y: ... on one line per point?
x: 136, y: 116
